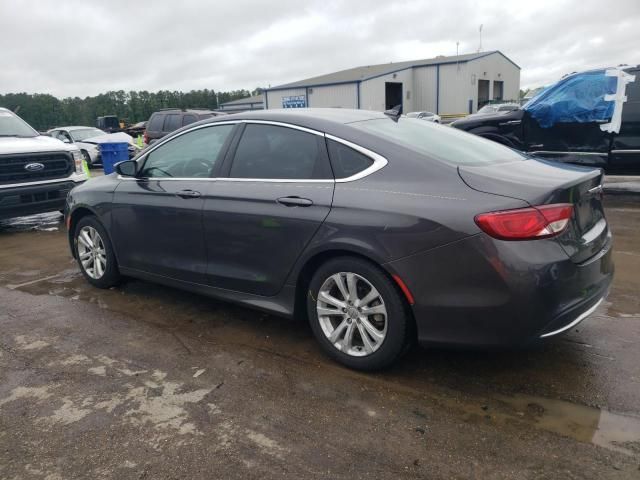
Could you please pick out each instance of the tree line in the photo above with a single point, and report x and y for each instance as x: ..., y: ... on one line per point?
x: 44, y: 111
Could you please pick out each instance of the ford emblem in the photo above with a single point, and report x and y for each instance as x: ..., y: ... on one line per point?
x: 34, y: 167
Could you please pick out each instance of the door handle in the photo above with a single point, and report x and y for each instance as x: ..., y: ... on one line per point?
x: 294, y: 201
x: 188, y: 194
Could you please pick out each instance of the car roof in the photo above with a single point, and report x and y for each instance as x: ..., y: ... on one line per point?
x: 186, y: 110
x: 305, y: 115
x: 327, y: 120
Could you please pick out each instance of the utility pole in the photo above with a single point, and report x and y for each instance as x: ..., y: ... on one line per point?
x: 457, y: 64
x: 480, y: 46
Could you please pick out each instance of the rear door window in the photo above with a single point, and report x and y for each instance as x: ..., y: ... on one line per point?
x: 274, y: 152
x: 155, y: 124
x: 187, y: 119
x: 172, y: 122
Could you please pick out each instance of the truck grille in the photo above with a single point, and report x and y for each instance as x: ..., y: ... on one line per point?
x: 56, y: 165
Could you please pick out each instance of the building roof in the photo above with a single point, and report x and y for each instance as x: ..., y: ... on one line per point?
x: 367, y: 72
x: 244, y: 101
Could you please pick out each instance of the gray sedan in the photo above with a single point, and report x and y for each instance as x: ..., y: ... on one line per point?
x: 377, y: 230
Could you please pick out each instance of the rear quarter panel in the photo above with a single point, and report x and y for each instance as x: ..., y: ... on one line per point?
x: 412, y: 205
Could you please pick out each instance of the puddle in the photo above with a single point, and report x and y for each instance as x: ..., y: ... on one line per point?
x: 617, y: 432
x: 44, y: 222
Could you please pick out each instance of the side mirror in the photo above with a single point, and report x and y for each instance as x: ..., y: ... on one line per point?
x: 128, y: 168
x: 65, y: 140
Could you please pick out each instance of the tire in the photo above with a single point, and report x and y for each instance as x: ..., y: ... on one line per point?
x: 108, y: 275
x: 388, y: 341
x: 87, y: 158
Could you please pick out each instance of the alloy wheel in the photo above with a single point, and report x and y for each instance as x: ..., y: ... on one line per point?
x: 91, y: 252
x: 352, y: 314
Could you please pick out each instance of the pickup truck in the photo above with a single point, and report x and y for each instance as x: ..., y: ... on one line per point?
x: 36, y: 172
x: 588, y: 118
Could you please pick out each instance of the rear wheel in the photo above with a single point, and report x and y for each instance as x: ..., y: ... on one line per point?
x: 357, y: 314
x: 95, y: 254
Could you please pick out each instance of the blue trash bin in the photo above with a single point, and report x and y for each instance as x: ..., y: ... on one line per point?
x: 113, y: 153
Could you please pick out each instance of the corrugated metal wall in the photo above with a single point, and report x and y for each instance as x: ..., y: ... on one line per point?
x: 372, y: 92
x: 274, y: 98
x: 334, y: 96
x: 495, y: 67
x: 458, y: 85
x: 455, y: 89
x: 424, y: 84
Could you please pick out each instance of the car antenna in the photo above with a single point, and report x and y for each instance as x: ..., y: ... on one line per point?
x: 394, y: 113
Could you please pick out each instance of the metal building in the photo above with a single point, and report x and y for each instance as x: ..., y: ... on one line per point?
x: 444, y: 85
x: 243, y: 104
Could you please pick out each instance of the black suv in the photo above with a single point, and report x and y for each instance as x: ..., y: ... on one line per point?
x: 584, y: 119
x: 167, y: 120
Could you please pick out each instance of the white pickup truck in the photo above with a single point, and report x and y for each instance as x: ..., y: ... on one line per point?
x: 36, y: 172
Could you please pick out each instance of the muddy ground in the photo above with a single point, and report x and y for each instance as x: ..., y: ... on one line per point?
x: 143, y: 381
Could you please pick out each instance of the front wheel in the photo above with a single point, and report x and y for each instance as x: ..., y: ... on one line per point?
x: 357, y: 314
x: 87, y: 159
x: 95, y: 254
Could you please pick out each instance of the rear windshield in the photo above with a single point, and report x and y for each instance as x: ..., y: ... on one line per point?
x: 446, y: 144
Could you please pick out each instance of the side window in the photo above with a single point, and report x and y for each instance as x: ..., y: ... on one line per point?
x: 187, y: 119
x: 155, y: 124
x: 269, y: 151
x: 172, y: 122
x: 62, y: 136
x: 191, y: 155
x: 346, y: 161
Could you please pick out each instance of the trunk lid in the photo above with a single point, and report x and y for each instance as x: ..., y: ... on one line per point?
x: 538, y: 182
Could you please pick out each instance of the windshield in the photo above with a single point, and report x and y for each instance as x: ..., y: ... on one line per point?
x: 79, y: 135
x: 13, y: 126
x: 446, y: 144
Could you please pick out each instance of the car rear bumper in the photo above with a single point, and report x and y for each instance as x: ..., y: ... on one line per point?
x: 35, y: 198
x: 485, y: 292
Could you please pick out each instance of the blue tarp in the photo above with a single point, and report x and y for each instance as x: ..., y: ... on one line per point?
x: 575, y: 99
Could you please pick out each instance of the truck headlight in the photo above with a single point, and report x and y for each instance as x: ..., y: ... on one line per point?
x: 77, y: 159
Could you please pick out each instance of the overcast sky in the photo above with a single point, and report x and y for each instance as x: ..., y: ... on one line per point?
x: 85, y: 47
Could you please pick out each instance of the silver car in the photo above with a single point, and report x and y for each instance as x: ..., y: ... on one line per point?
x: 428, y: 116
x: 77, y: 136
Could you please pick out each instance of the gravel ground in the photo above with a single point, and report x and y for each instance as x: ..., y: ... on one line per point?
x: 143, y: 381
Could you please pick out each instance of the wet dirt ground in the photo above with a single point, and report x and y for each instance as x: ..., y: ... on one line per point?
x: 144, y: 381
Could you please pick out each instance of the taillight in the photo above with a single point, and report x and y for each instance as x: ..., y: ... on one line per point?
x: 146, y: 138
x: 531, y: 223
